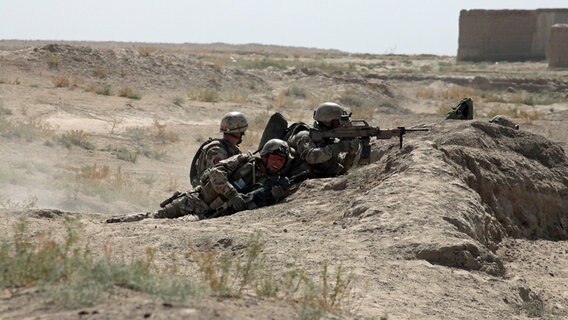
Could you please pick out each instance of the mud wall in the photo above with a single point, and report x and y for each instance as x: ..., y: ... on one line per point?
x: 507, y: 35
x: 557, y: 49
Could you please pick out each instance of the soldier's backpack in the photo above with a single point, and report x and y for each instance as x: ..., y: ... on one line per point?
x: 277, y: 128
x: 462, y: 111
x: 194, y: 176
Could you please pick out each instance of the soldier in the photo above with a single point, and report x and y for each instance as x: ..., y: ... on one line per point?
x: 224, y: 188
x: 331, y: 157
x: 233, y: 126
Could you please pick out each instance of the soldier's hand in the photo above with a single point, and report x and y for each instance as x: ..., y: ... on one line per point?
x: 277, y: 192
x: 354, y: 145
x: 341, y: 146
x: 237, y: 202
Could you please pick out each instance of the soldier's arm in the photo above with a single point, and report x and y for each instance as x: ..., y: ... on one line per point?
x: 214, y: 155
x: 308, y: 150
x: 218, y: 175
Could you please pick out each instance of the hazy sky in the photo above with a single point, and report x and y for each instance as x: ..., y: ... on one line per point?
x: 402, y: 26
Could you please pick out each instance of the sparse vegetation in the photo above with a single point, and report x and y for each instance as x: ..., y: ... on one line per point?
x: 146, y: 51
x: 72, y: 272
x: 108, y: 185
x: 61, y: 81
x: 128, y: 92
x: 28, y: 203
x: 72, y: 277
x: 100, y: 72
x: 360, y: 107
x: 53, y: 61
x: 103, y: 90
x: 30, y: 129
x: 178, y: 101
x: 453, y: 93
x: 77, y: 138
x: 296, y: 92
x: 282, y: 100
x: 205, y: 95
x: 123, y: 153
x: 163, y: 135
x: 4, y: 111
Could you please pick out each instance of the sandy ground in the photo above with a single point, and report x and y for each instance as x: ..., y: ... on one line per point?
x: 424, y: 235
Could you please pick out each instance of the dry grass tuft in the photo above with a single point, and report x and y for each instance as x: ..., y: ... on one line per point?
x: 163, y: 135
x: 53, y: 61
x: 227, y: 276
x: 146, y: 51
x: 61, y: 81
x: 100, y: 72
x: 72, y: 277
x: 128, y: 92
x: 29, y: 129
x: 205, y: 95
x: 77, y: 138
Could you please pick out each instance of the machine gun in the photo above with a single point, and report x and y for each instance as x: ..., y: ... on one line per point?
x: 359, y: 128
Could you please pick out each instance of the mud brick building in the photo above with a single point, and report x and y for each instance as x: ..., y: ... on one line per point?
x: 507, y: 35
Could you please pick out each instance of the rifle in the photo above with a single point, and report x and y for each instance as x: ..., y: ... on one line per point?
x: 169, y: 200
x: 261, y: 195
x: 359, y: 128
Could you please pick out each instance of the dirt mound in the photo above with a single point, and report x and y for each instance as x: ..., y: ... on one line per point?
x: 142, y: 67
x: 451, y: 197
x: 521, y: 178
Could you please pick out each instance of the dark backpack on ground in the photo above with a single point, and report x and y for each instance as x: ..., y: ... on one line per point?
x: 462, y: 111
x: 277, y: 128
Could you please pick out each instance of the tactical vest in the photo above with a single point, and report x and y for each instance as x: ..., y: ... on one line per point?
x: 194, y: 174
x: 242, y: 178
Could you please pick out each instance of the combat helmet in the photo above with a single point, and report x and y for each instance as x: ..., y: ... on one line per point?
x: 233, y: 122
x: 329, y: 111
x: 276, y: 146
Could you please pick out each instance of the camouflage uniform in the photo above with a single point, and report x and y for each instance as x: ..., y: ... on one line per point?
x: 224, y: 186
x: 329, y: 158
x: 228, y: 179
x: 213, y: 152
x: 233, y: 125
x: 214, y: 191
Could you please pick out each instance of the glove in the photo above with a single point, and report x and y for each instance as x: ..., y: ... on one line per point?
x: 237, y: 202
x: 341, y: 146
x: 354, y: 145
x: 277, y: 192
